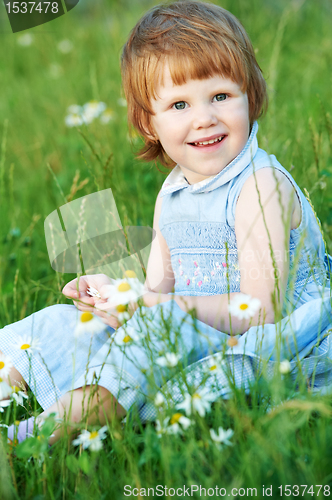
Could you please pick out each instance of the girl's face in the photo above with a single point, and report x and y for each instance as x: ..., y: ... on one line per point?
x: 213, y: 110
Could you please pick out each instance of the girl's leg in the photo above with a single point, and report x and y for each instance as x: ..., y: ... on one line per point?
x: 95, y: 405
x: 14, y: 378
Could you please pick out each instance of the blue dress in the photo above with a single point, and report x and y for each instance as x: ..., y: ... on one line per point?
x: 197, y: 222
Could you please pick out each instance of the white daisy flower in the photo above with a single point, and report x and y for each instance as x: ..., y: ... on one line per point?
x: 222, y: 437
x: 121, y: 292
x: 65, y: 46
x: 18, y: 395
x: 243, y: 306
x: 126, y: 336
x: 92, y: 110
x: 170, y: 359
x: 27, y: 343
x: 4, y: 404
x: 160, y: 399
x: 5, y: 366
x: 91, y: 440
x: 214, y: 365
x: 176, y: 419
x: 107, y: 116
x: 199, y: 402
x: 173, y: 425
x: 285, y: 367
x: 74, y: 120
x: 25, y: 40
x: 88, y: 323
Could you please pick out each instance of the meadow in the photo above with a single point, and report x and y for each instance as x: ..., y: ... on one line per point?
x: 282, y: 430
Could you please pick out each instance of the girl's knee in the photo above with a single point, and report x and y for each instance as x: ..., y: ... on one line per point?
x: 96, y: 404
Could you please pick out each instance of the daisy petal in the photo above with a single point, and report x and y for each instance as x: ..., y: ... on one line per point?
x: 88, y: 323
x: 243, y: 306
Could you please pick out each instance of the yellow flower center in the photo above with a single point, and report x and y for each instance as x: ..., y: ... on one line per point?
x: 243, y: 307
x: 1, y: 379
x: 86, y: 316
x: 93, y: 435
x: 15, y: 388
x: 130, y: 274
x: 123, y: 287
x: 127, y: 339
x: 25, y: 346
x: 196, y: 396
x: 213, y: 367
x: 17, y: 422
x: 175, y: 418
x: 120, y: 308
x: 2, y: 365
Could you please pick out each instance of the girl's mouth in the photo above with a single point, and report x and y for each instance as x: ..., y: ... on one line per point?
x: 208, y: 144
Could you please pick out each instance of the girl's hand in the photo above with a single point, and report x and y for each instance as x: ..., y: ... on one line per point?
x: 78, y: 288
x: 112, y: 316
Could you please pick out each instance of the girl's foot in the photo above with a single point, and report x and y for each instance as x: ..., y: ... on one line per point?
x: 24, y: 430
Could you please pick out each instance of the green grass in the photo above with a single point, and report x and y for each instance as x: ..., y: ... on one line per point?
x: 289, y: 445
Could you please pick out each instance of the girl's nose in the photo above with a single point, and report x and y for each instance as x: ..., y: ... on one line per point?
x: 204, y: 117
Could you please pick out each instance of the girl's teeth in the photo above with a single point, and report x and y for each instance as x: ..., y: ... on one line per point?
x: 218, y: 139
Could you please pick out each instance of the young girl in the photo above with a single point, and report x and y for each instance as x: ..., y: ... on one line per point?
x: 234, y: 233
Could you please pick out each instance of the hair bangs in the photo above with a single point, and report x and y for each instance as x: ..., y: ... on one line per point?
x: 205, y: 62
x: 196, y: 60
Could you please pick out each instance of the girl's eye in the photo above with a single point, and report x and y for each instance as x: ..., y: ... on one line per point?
x: 220, y: 97
x: 179, y: 105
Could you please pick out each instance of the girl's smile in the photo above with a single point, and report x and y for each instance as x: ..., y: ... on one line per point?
x: 211, y: 143
x: 202, y: 125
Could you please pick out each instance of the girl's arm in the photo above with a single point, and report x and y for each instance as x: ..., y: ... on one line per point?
x: 159, y: 272
x: 263, y: 221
